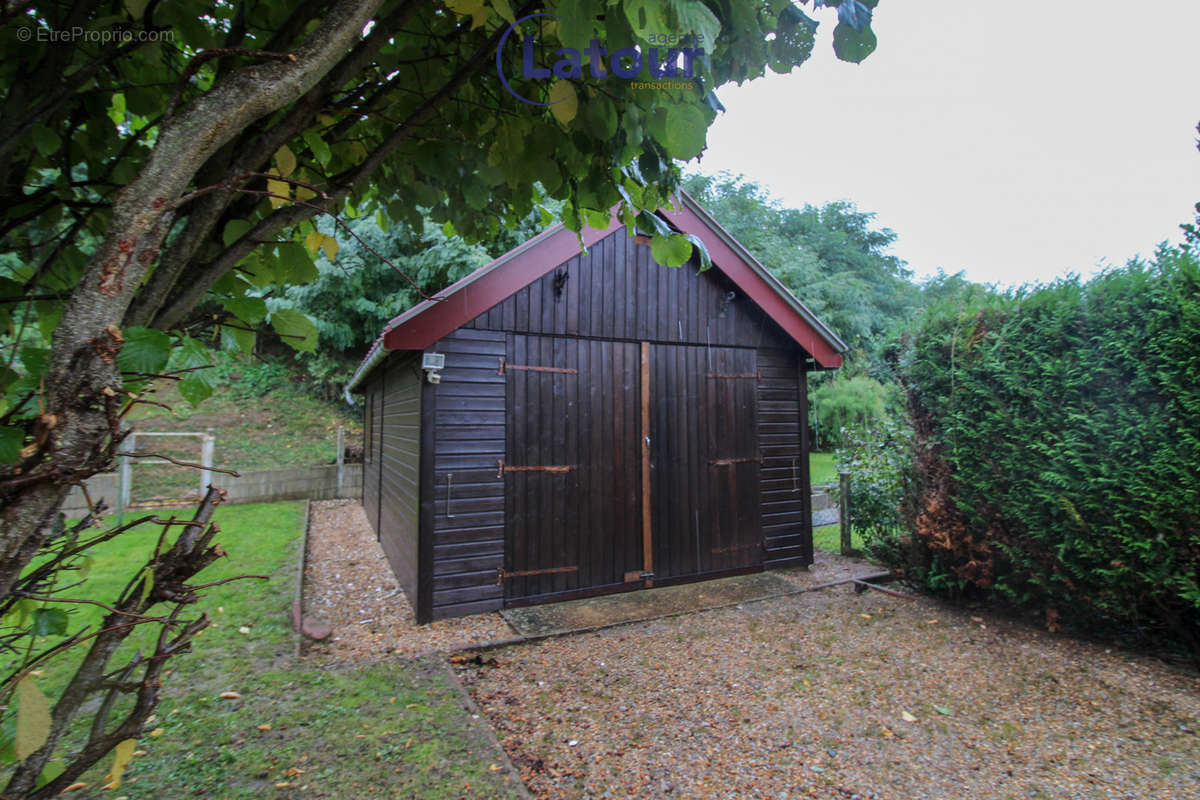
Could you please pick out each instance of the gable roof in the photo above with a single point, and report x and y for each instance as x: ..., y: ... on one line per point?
x: 459, y: 303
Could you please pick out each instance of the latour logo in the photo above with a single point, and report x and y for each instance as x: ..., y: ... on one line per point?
x: 628, y: 63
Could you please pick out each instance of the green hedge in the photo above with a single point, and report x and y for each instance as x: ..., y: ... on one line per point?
x: 1058, y: 447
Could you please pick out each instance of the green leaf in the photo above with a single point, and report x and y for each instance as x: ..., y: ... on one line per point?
x: 145, y: 350
x: 320, y: 150
x: 647, y: 17
x: 8, y: 739
x: 238, y: 338
x: 942, y: 710
x: 33, y: 718
x: 190, y: 353
x: 564, y: 103
x: 12, y: 439
x: 54, y: 767
x: 671, y: 251
x: 45, y: 140
x: 694, y: 17
x: 251, y: 310
x: 195, y: 388
x: 234, y: 230
x: 297, y: 330
x: 35, y: 359
x: 699, y: 248
x: 686, y: 127
x: 652, y: 224
x: 504, y: 9
x: 853, y: 45
x: 50, y: 622
x: 298, y: 267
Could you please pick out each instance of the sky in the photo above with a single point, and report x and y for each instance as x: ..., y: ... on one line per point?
x: 1016, y: 142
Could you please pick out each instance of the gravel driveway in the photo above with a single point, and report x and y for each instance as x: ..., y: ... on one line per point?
x: 835, y: 695
x: 826, y: 694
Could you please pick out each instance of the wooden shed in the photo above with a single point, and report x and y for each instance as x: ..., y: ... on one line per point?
x: 559, y: 424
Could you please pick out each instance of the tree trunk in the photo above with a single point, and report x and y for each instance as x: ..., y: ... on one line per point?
x: 81, y: 400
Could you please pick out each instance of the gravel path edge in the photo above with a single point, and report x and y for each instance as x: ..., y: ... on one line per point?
x: 298, y: 598
x: 486, y: 725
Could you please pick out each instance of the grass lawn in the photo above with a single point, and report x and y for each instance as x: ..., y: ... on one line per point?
x: 391, y: 728
x: 829, y: 539
x: 286, y: 427
x: 821, y: 468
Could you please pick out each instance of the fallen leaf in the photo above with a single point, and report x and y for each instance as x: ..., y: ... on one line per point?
x: 122, y: 754
x: 243, y: 630
x: 931, y: 622
x: 266, y: 726
x: 139, y: 752
x: 907, y: 717
x: 291, y: 771
x: 282, y: 785
x: 157, y: 732
x: 976, y: 619
x: 229, y: 696
x: 75, y: 786
x: 942, y: 710
x: 865, y: 616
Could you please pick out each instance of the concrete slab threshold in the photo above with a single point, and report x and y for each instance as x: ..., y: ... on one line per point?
x: 861, y: 582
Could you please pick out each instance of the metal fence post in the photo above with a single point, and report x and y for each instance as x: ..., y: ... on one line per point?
x: 124, y: 479
x: 206, y: 460
x: 341, y: 459
x: 844, y: 512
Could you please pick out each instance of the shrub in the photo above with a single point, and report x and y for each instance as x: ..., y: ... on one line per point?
x: 845, y: 404
x: 1058, y: 437
x: 878, y: 460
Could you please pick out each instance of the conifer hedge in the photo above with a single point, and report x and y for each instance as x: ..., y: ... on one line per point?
x: 1058, y: 447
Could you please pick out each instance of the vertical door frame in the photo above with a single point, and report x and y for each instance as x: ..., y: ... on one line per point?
x: 647, y: 526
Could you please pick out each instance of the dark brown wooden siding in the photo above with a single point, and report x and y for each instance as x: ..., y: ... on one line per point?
x: 399, y: 426
x: 468, y: 496
x: 446, y: 513
x: 786, y: 498
x: 617, y: 291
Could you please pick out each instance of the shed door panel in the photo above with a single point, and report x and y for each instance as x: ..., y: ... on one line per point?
x: 578, y: 527
x: 704, y: 460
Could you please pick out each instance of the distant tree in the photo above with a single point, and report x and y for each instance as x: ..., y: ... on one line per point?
x: 380, y: 272
x: 830, y: 257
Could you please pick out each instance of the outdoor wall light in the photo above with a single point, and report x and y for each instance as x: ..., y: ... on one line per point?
x: 433, y: 364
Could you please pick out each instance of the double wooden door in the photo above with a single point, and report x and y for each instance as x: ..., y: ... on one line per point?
x: 627, y: 464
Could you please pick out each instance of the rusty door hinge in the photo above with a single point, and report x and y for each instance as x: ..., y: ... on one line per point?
x: 638, y: 575
x: 505, y: 366
x: 502, y: 574
x: 502, y: 468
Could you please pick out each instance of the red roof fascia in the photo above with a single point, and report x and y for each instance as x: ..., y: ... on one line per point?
x: 757, y: 289
x: 458, y: 304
